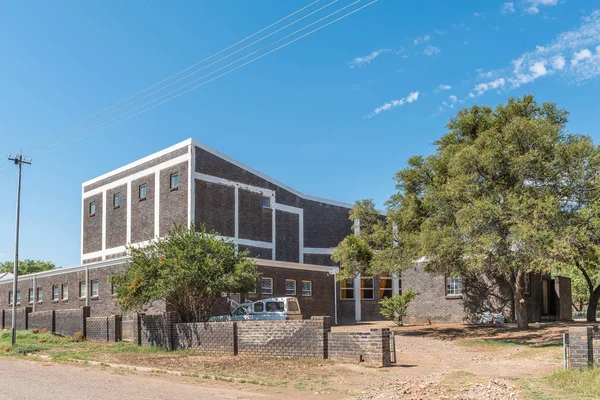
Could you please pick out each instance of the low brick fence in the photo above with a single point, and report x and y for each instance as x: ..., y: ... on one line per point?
x: 583, y: 346
x: 42, y: 320
x: 104, y: 329
x: 372, y: 347
x: 293, y: 338
x: 22, y: 318
x: 70, y: 322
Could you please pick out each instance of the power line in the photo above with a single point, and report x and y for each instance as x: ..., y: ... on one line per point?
x: 186, y: 69
x: 217, y: 77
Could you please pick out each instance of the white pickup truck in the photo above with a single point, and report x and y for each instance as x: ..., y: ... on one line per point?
x: 275, y: 308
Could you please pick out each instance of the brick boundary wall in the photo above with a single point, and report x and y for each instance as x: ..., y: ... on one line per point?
x: 372, y: 347
x: 218, y: 337
x: 70, y: 322
x: 22, y: 318
x: 42, y: 320
x: 104, y: 329
x: 583, y: 346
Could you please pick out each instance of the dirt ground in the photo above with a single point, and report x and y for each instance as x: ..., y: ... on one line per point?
x: 433, y: 362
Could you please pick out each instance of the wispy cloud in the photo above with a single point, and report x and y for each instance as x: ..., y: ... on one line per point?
x: 508, y: 8
x: 481, y: 88
x: 453, y: 98
x: 442, y: 87
x: 534, y: 5
x: 411, y: 98
x: 431, y: 50
x: 360, y: 61
x: 421, y: 39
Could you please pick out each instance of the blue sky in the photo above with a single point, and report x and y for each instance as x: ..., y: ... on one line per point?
x: 334, y: 114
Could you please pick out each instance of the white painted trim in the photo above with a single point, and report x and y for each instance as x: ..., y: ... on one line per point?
x: 274, y: 229
x: 226, y: 182
x: 291, y: 265
x: 157, y: 203
x: 82, y: 220
x: 301, y: 236
x: 247, y: 242
x: 137, y: 175
x: 191, y: 184
x: 104, y: 212
x: 128, y: 222
x: 141, y: 161
x: 111, y: 251
x: 317, y: 250
x: 288, y: 209
x: 268, y: 178
x: 357, y: 299
x: 236, y: 217
x: 395, y: 284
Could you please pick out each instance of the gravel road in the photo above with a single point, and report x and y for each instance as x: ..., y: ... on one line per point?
x: 38, y: 380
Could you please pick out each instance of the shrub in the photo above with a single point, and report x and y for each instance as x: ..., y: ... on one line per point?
x: 78, y: 337
x: 394, y: 308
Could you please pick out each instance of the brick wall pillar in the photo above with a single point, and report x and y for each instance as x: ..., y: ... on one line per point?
x: 581, y: 352
x: 380, y: 352
x: 115, y: 328
x: 85, y: 312
x: 323, y: 328
x: 170, y: 319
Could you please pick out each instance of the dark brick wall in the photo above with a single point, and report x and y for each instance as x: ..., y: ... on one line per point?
x: 215, y: 207
x: 318, y: 259
x: 22, y: 318
x: 104, y: 329
x: 70, y: 322
x: 116, y: 218
x: 258, y: 252
x: 92, y: 225
x: 303, y: 338
x: 173, y: 203
x: 141, y: 167
x: 581, y: 346
x: 372, y: 347
x: 256, y: 221
x: 41, y: 320
x: 142, y: 211
x: 321, y: 301
x: 218, y: 337
x: 287, y: 236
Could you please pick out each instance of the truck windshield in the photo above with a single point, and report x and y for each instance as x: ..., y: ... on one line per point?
x: 241, y: 310
x: 293, y: 306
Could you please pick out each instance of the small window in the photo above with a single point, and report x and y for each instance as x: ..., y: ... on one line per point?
x: 55, y: 292
x: 142, y: 192
x: 92, y: 210
x: 18, y: 297
x: 174, y: 181
x: 293, y: 306
x: 527, y: 283
x: 290, y: 287
x: 30, y: 295
x: 82, y: 290
x: 40, y: 294
x: 259, y: 307
x: 65, y: 291
x: 275, y: 306
x: 117, y: 200
x: 453, y: 286
x: 241, y: 310
x: 266, y: 202
x: 347, y: 289
x: 266, y: 286
x: 95, y: 287
x: 385, y: 287
x: 10, y: 297
x: 306, y: 288
x: 367, y: 291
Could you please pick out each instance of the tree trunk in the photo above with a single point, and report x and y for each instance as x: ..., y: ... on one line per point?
x: 515, y: 279
x: 593, y: 305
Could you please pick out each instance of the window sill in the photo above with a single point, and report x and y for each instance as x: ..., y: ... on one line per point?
x: 454, y: 296
x: 92, y: 215
x: 40, y: 302
x: 116, y: 207
x: 81, y: 298
x: 64, y: 301
x: 143, y: 199
x: 55, y: 301
x: 174, y: 189
x: 346, y: 299
x: 94, y: 298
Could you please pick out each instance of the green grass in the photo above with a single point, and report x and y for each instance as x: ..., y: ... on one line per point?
x: 564, y: 384
x: 30, y: 342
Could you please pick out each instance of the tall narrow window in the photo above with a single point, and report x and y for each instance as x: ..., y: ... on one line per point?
x: 10, y: 297
x: 266, y: 202
x: 306, y: 288
x: 55, y: 292
x: 527, y: 283
x: 367, y: 288
x: 40, y: 294
x: 117, y: 200
x: 266, y: 286
x: 92, y: 210
x: 65, y: 291
x: 174, y: 181
x: 95, y: 287
x: 18, y: 297
x: 143, y: 192
x: 453, y: 286
x: 30, y: 295
x: 82, y: 290
x: 385, y: 287
x: 290, y: 287
x: 347, y: 289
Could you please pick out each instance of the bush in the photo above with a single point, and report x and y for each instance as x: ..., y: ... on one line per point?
x: 78, y: 337
x: 394, y: 308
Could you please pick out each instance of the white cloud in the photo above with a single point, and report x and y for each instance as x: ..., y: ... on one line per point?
x: 453, y: 98
x: 431, y: 50
x: 558, y: 62
x: 580, y: 56
x: 360, y: 61
x: 412, y: 97
x: 534, y: 5
x: 421, y: 39
x: 484, y: 87
x: 508, y: 8
x: 442, y: 87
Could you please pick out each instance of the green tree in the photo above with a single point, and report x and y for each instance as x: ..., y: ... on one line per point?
x: 189, y: 268
x: 27, y: 266
x: 491, y: 199
x: 394, y: 308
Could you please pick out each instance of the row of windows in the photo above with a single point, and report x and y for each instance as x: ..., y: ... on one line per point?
x: 367, y: 288
x: 142, y: 194
x: 59, y: 292
x: 266, y: 287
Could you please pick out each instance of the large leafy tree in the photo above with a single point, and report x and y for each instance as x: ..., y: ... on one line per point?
x: 189, y: 268
x: 491, y: 199
x: 27, y: 266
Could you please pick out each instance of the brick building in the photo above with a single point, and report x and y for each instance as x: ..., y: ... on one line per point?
x: 291, y: 235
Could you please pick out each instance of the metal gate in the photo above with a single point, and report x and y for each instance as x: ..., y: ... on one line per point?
x: 392, y: 347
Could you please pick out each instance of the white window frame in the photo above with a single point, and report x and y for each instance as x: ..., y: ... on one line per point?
x: 82, y: 290
x: 64, y: 286
x: 270, y: 290
x: 55, y: 292
x: 31, y: 295
x: 39, y: 290
x: 454, y: 286
x: 143, y: 185
x: 351, y: 281
x: 290, y: 292
x: 171, y: 186
x: 389, y: 289
x: 92, y: 282
x: 117, y: 196
x: 92, y: 206
x: 309, y: 291
x: 372, y: 288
